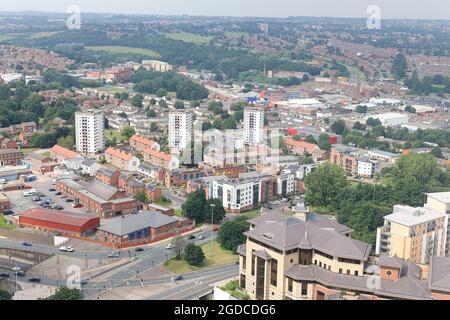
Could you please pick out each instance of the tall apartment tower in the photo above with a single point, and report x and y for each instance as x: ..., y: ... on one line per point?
x: 253, y: 126
x: 89, y: 131
x: 180, y: 130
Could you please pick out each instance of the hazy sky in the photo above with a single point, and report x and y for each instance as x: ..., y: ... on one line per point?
x: 410, y: 9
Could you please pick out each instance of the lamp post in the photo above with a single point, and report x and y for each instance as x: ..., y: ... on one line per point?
x: 212, y: 205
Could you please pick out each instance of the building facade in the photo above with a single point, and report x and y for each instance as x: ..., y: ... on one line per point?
x: 253, y: 126
x: 180, y: 130
x: 89, y: 132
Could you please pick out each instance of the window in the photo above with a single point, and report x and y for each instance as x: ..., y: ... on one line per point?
x: 253, y: 264
x: 348, y: 272
x: 273, y: 272
x: 340, y: 270
x: 290, y: 282
x: 356, y: 273
x: 304, y: 289
x: 244, y: 263
x: 389, y: 273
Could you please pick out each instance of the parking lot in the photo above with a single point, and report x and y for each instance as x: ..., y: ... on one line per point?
x: 21, y: 203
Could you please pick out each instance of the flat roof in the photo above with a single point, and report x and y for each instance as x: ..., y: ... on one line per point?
x: 409, y: 216
x: 440, y: 196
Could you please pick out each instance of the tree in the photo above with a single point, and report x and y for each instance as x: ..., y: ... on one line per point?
x: 218, y: 210
x: 179, y: 105
x: 373, y: 122
x: 324, y: 142
x: 141, y: 197
x: 194, y: 207
x: 437, y: 152
x: 324, y: 184
x: 194, y: 254
x: 161, y: 92
x: 413, y: 176
x: 399, y: 66
x: 338, y: 127
x: 64, y: 293
x: 151, y: 113
x: 359, y: 126
x: 231, y: 234
x: 361, y: 109
x: 67, y: 142
x: 310, y: 139
x: 162, y: 103
x: 127, y: 132
x: 152, y: 101
x: 137, y: 101
x: 178, y: 245
x: 410, y: 109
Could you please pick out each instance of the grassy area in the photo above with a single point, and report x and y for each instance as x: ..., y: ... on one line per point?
x: 252, y: 213
x: 125, y: 50
x: 214, y: 258
x: 179, y: 212
x: 109, y: 134
x: 27, y: 151
x: 188, y: 37
x: 45, y: 154
x: 6, y: 37
x: 40, y: 35
x: 232, y: 288
x: 4, y: 223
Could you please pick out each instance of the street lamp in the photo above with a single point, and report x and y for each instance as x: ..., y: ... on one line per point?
x: 212, y: 205
x: 198, y: 283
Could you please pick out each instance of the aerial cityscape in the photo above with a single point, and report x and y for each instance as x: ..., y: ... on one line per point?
x: 209, y: 153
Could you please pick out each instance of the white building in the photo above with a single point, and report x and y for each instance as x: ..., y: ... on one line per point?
x: 391, y: 119
x: 253, y: 126
x: 89, y: 132
x: 180, y: 130
x: 366, y: 168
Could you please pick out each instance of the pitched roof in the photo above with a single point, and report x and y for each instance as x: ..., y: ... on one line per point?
x: 302, y: 144
x: 66, y: 153
x: 439, y: 276
x: 158, y: 154
x: 101, y: 190
x: 286, y: 233
x: 143, y: 140
x: 127, y: 224
x: 63, y: 217
x: 119, y: 153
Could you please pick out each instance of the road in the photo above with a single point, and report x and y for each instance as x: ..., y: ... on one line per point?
x: 124, y: 275
x: 177, y: 201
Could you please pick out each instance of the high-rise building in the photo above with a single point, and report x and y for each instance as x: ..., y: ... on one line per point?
x: 253, y: 126
x: 180, y: 130
x: 89, y: 131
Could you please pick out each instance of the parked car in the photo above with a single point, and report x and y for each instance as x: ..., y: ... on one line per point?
x: 52, y: 190
x: 40, y: 195
x: 177, y: 278
x: 58, y: 207
x: 69, y: 200
x: 4, y: 275
x: 202, y: 237
x: 35, y: 198
x: 77, y: 205
x: 8, y: 212
x: 35, y: 280
x: 216, y: 229
x: 58, y: 193
x: 66, y: 249
x: 139, y: 249
x: 169, y: 246
x: 113, y: 255
x: 20, y: 273
x: 191, y: 237
x: 27, y: 244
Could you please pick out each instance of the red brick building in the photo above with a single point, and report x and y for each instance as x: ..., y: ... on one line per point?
x: 140, y: 143
x: 5, y: 203
x: 108, y: 176
x: 68, y: 223
x: 59, y: 154
x: 179, y: 177
x: 10, y: 157
x: 97, y: 197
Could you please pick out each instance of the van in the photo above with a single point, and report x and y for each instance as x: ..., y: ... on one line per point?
x: 29, y: 193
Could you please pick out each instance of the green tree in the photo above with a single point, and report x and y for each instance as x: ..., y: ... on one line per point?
x: 399, y: 66
x: 194, y: 207
x: 310, y: 139
x: 179, y: 104
x: 137, y: 101
x: 152, y: 101
x: 231, y: 233
x: 324, y: 184
x: 127, y: 132
x: 217, y: 209
x: 67, y: 142
x: 141, y: 197
x: 161, y: 92
x: 194, y: 254
x: 64, y: 293
x: 437, y: 152
x: 324, y: 142
x: 338, y: 127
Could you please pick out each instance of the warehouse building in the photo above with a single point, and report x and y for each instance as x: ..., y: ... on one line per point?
x: 68, y: 223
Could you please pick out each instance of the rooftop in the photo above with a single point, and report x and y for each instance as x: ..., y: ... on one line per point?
x: 409, y: 216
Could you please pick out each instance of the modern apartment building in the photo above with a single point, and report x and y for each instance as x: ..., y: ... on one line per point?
x: 89, y: 132
x: 315, y: 258
x: 440, y: 202
x: 251, y: 189
x: 253, y: 126
x: 413, y: 234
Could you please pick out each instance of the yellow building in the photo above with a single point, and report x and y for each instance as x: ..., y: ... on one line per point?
x: 413, y: 234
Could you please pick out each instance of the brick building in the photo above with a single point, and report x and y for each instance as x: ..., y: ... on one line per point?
x: 108, y: 176
x: 10, y: 157
x: 5, y: 203
x: 122, y: 158
x: 59, y: 154
x: 140, y: 143
x: 68, y: 223
x: 97, y: 197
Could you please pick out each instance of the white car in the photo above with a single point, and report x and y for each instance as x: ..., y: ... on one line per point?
x: 169, y: 246
x: 30, y: 193
x: 66, y: 249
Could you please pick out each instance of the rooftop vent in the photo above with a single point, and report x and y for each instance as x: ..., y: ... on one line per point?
x: 268, y: 236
